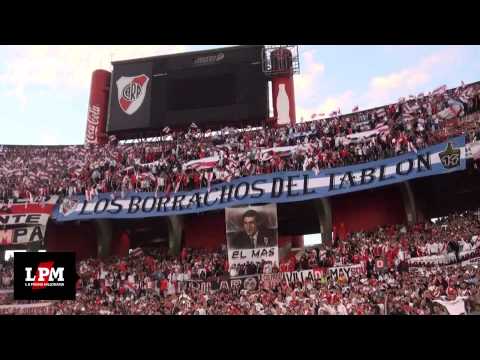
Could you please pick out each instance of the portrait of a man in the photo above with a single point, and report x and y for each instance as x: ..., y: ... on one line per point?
x: 252, y: 236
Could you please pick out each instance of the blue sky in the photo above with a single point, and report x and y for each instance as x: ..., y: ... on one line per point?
x: 45, y: 89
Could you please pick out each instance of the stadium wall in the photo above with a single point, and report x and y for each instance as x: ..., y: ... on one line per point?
x: 80, y: 238
x: 204, y: 231
x: 366, y: 210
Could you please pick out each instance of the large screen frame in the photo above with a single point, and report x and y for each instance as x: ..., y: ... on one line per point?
x: 241, y: 63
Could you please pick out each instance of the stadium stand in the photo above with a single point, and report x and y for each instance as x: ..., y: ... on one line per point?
x: 422, y: 269
x: 186, y: 160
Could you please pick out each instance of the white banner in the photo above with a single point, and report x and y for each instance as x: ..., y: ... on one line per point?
x: 347, y: 271
x: 433, y: 259
x: 27, y: 309
x: 472, y: 151
x: 22, y: 235
x: 28, y: 219
x: 252, y: 234
x: 454, y: 307
x: 25, y: 306
x: 243, y: 256
x: 440, y: 259
x: 474, y: 261
x: 332, y: 273
x: 301, y: 276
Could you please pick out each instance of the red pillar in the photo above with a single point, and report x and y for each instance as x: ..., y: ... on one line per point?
x: 96, y: 132
x: 297, y: 241
x: 121, y: 244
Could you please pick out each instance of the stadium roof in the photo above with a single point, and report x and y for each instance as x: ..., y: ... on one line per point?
x: 201, y: 52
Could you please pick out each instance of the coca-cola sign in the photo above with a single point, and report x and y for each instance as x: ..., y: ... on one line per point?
x: 93, y: 121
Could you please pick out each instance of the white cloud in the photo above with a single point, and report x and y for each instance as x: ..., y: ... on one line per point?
x: 382, y: 89
x: 344, y: 101
x: 47, y: 137
x: 310, y: 73
x: 411, y: 80
x: 65, y: 68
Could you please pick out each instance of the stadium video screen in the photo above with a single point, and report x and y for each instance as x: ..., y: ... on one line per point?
x: 212, y: 88
x: 201, y: 92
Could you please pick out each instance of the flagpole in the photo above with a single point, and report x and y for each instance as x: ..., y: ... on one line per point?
x: 386, y: 297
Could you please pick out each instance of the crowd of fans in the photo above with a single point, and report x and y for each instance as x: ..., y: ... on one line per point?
x: 6, y: 275
x: 152, y: 282
x: 456, y: 235
x: 184, y: 160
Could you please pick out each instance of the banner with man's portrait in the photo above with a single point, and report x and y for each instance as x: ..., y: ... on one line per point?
x: 252, y: 237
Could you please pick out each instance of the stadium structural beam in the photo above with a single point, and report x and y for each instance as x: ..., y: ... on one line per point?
x: 175, y: 232
x: 324, y: 213
x: 104, y: 230
x: 409, y: 203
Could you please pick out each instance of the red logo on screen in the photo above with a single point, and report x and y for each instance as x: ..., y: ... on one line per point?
x: 131, y: 92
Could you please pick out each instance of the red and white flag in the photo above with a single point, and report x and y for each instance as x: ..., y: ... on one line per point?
x: 381, y: 112
x: 440, y: 90
x: 179, y: 182
x: 411, y: 147
x: 90, y: 194
x: 30, y: 196
x: 209, y: 179
x: 136, y: 252
x: 202, y: 164
x: 168, y: 189
x: 407, y: 117
x: 367, y: 135
x: 283, y: 151
x: 454, y: 110
x: 411, y: 109
x: 466, y: 95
